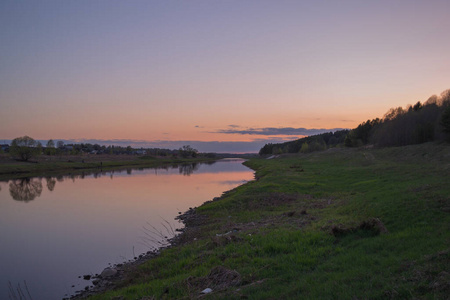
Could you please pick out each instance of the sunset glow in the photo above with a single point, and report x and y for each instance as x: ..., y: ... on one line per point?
x: 168, y: 71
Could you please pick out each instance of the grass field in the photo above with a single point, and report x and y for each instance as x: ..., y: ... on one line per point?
x: 339, y: 224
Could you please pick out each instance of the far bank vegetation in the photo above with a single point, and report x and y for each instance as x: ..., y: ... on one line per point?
x: 26, y: 148
x: 415, y: 124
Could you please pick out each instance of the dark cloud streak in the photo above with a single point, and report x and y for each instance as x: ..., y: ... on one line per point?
x: 273, y: 131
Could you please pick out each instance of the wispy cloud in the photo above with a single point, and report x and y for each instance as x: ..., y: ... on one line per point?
x: 274, y: 131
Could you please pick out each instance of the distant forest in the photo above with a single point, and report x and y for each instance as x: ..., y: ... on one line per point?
x: 415, y: 124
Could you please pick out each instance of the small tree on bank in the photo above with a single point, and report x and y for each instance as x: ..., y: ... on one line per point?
x: 24, y: 148
x: 50, y: 148
x: 187, y: 151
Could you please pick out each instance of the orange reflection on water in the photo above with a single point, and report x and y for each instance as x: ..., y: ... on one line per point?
x: 76, y: 225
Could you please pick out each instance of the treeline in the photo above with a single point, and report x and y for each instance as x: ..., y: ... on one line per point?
x: 307, y: 144
x: 415, y: 124
x: 24, y: 148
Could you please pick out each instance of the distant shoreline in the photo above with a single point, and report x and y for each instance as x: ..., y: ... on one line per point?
x: 11, y: 169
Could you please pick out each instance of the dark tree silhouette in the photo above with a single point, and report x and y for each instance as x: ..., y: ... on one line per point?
x: 187, y: 151
x: 24, y: 148
x: 445, y: 120
x: 50, y: 148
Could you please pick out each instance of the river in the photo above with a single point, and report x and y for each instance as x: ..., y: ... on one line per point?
x: 55, y: 229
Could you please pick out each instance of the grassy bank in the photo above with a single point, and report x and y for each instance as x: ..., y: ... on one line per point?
x: 340, y: 224
x: 54, y: 165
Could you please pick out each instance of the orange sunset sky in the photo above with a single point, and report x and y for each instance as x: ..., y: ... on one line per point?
x: 219, y: 75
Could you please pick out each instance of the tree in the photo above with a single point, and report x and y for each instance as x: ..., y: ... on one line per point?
x: 50, y: 144
x: 417, y: 106
x: 393, y: 113
x: 348, y: 142
x: 39, y: 148
x: 24, y: 148
x: 305, y: 148
x: 445, y: 120
x: 50, y: 148
x: 362, y: 133
x: 187, y: 151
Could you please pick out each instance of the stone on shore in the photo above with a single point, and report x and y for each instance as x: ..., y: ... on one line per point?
x: 108, y: 272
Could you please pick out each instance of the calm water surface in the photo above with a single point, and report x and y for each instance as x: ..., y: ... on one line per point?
x: 52, y: 230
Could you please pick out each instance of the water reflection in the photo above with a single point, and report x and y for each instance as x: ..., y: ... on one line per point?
x: 51, y: 182
x: 188, y: 169
x: 25, y: 189
x: 184, y: 169
x: 77, y: 228
x: 28, y: 189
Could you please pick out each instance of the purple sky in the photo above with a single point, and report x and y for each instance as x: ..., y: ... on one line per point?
x: 210, y: 71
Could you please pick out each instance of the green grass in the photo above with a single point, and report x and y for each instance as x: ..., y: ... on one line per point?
x: 283, y: 246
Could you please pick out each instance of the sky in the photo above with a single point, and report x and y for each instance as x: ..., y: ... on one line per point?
x: 224, y: 76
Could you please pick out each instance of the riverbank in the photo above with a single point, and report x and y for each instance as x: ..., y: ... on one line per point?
x: 75, y: 164
x: 342, y: 224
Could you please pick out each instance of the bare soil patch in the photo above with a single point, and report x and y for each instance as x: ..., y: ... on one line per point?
x: 218, y: 279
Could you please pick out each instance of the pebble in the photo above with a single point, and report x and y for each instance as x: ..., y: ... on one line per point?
x: 206, y: 291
